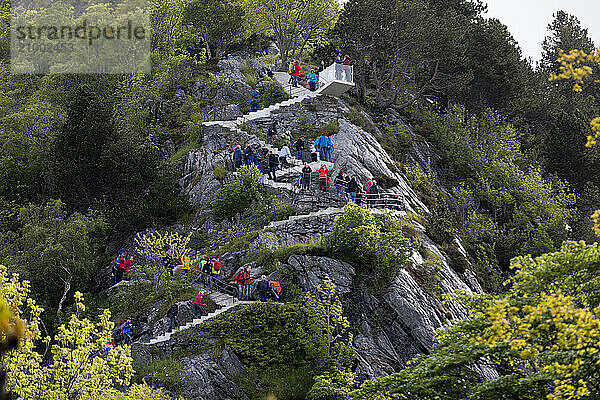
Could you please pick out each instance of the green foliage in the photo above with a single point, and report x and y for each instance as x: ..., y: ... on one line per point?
x: 162, y: 251
x: 251, y: 334
x: 272, y: 92
x: 292, y: 24
x: 356, y: 118
x: 248, y: 70
x: 54, y: 249
x: 167, y: 373
x: 79, y: 364
x: 395, y: 140
x: 220, y: 173
x: 540, y: 337
x: 330, y: 128
x: 337, y: 338
x: 530, y: 211
x: 217, y: 23
x: 277, y: 382
x: 335, y: 385
x: 376, y: 249
x: 238, y: 196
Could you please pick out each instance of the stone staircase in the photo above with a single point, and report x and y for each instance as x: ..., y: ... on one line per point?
x: 227, y: 302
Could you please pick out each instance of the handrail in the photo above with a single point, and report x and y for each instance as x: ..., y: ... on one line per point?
x: 224, y: 283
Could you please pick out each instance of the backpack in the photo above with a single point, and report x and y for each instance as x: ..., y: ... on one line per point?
x: 276, y: 286
x: 117, y: 263
x: 217, y: 266
x: 239, y: 277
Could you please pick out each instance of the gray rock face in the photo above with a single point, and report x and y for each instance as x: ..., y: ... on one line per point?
x: 358, y: 153
x: 313, y: 270
x: 207, y: 368
x: 395, y: 325
x: 197, y: 178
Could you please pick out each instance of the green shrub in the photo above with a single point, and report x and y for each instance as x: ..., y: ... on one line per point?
x: 238, y: 196
x: 269, y: 334
x: 375, y: 248
x: 277, y: 382
x: 198, y: 240
x: 330, y: 128
x: 272, y: 93
x: 220, y: 173
x: 178, y: 156
x: 248, y: 70
x: 166, y: 371
x: 356, y: 118
x: 395, y: 140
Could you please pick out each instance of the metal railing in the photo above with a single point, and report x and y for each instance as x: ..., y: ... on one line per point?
x: 217, y: 284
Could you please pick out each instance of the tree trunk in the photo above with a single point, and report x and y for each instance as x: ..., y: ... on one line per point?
x: 65, y: 292
x: 207, y: 46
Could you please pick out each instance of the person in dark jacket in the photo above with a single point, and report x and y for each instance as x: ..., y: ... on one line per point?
x: 254, y: 101
x: 273, y: 164
x: 263, y: 288
x: 173, y: 313
x: 272, y: 133
x: 299, y: 147
x: 373, y: 194
x: 237, y: 158
x: 352, y: 189
x: 340, y: 183
x: 248, y: 152
x: 306, y: 175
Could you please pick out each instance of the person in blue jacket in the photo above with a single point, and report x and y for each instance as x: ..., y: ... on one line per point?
x: 126, y: 330
x: 312, y: 80
x: 237, y: 158
x: 324, y: 146
x: 254, y: 102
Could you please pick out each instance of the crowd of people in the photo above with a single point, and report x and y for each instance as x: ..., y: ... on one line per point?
x: 342, y: 71
x: 121, y: 269
x: 321, y: 150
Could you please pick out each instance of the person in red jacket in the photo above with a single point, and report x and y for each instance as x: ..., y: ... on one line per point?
x: 323, y: 178
x: 246, y: 284
x: 295, y: 73
x: 120, y: 268
x: 127, y: 268
x: 199, y: 306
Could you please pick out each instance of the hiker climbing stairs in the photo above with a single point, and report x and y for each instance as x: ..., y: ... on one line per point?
x: 227, y: 302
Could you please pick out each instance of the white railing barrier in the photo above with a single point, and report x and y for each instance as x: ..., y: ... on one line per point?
x: 336, y: 72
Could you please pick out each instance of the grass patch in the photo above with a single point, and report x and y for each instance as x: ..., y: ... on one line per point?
x: 178, y: 156
x: 269, y: 258
x: 281, y: 382
x: 165, y: 373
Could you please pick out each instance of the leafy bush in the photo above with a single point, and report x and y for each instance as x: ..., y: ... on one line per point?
x: 238, y: 196
x: 268, y: 334
x: 272, y: 93
x: 330, y: 128
x: 395, y: 140
x: 167, y: 373
x: 531, y: 212
x: 374, y: 248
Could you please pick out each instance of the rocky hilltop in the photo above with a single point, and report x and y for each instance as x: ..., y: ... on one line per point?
x: 393, y: 324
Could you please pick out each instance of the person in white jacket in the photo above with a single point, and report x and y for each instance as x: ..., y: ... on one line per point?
x: 283, y: 154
